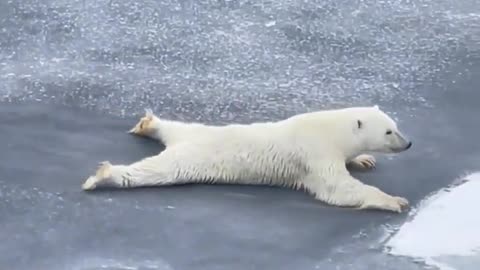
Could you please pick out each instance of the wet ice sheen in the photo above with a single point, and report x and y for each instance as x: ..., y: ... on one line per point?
x: 445, y: 230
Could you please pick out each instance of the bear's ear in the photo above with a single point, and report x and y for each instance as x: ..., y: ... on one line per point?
x: 359, y: 124
x: 376, y: 107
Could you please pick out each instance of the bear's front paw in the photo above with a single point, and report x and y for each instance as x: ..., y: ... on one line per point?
x: 145, y: 125
x: 363, y: 162
x: 402, y: 202
x: 386, y: 202
x: 396, y: 204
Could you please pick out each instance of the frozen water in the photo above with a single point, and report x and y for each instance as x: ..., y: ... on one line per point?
x: 230, y: 60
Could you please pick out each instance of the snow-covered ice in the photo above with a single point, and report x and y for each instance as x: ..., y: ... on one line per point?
x: 444, y: 228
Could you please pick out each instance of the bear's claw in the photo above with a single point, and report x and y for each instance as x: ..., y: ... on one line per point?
x: 390, y: 203
x: 143, y: 126
x: 364, y: 161
x: 402, y: 203
x: 396, y: 204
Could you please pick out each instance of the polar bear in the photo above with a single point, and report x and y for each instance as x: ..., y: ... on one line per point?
x: 308, y: 151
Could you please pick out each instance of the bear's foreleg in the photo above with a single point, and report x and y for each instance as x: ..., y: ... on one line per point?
x: 342, y: 189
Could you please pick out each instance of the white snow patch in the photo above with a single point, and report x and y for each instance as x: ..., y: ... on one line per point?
x: 445, y: 226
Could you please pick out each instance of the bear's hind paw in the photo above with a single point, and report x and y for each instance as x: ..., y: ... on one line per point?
x: 144, y: 126
x: 90, y: 183
x: 103, y: 172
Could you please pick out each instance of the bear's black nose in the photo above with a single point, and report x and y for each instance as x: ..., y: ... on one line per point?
x: 409, y: 145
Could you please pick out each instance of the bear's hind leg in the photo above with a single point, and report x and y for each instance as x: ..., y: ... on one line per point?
x: 103, y: 177
x: 150, y: 171
x: 362, y: 162
x: 112, y: 176
x: 179, y: 164
x: 169, y: 132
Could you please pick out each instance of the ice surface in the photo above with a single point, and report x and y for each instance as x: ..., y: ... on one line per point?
x: 444, y: 228
x: 237, y: 60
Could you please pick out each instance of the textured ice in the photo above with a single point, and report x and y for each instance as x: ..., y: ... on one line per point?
x: 444, y: 231
x: 230, y: 60
x: 45, y: 229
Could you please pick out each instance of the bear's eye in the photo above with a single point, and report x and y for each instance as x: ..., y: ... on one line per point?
x: 389, y: 132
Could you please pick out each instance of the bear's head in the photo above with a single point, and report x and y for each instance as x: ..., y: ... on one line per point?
x: 377, y: 132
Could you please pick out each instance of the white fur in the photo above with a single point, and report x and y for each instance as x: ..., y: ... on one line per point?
x: 308, y: 151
